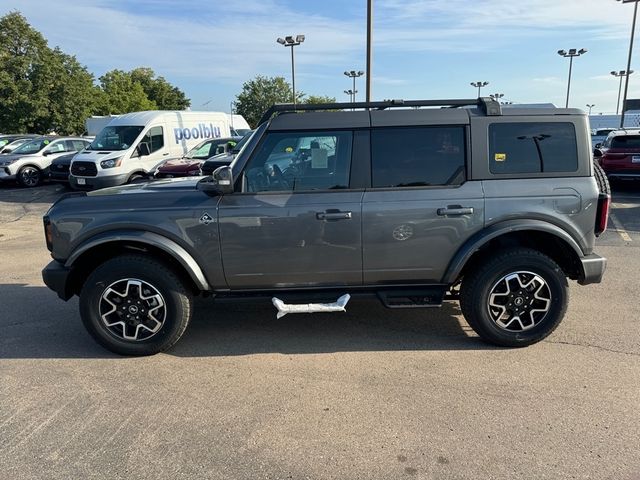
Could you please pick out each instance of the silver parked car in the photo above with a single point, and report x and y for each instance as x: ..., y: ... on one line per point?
x: 29, y: 163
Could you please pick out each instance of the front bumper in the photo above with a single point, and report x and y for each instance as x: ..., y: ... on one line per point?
x: 593, y: 267
x: 56, y: 276
x: 94, y: 183
x: 5, y: 176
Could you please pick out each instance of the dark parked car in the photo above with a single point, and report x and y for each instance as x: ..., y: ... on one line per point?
x: 492, y: 208
x: 59, y: 169
x: 619, y: 155
x: 207, y: 167
x: 189, y: 165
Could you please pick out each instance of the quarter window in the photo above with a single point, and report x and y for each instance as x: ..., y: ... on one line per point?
x: 532, y: 148
x: 418, y: 156
x: 301, y: 161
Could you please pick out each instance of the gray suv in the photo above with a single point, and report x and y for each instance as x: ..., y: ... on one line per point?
x: 457, y: 200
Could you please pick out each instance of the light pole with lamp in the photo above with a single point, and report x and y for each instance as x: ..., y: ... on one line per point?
x: 570, y: 54
x: 290, y: 41
x: 590, y: 106
x: 497, y: 96
x: 352, y: 95
x: 621, y: 74
x: 354, y: 74
x: 629, y: 72
x: 479, y: 85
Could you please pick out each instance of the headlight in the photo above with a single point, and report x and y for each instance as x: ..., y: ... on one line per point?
x: 4, y: 163
x: 111, y: 163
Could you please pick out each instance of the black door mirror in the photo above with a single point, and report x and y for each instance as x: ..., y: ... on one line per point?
x: 597, y: 152
x: 220, y: 182
x: 143, y: 149
x: 223, y: 177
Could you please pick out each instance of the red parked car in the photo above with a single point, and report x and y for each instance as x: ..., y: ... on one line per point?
x: 189, y: 165
x: 619, y: 155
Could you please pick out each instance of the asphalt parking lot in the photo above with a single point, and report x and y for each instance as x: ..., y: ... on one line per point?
x: 372, y: 393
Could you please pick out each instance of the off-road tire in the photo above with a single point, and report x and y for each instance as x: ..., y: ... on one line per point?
x: 176, y: 297
x: 601, y: 179
x: 478, y: 284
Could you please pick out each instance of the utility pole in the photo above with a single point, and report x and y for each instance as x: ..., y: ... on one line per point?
x: 570, y: 54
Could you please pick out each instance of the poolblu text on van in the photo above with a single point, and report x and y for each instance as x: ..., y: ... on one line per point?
x: 201, y: 131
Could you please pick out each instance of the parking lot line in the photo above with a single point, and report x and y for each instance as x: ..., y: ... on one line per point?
x: 618, y: 227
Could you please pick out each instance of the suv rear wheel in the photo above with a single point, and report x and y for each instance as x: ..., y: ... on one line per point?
x: 516, y: 298
x: 135, y: 305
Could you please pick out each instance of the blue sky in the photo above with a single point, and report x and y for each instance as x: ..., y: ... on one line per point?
x: 422, y: 48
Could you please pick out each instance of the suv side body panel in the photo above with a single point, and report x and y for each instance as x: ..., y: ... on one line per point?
x: 406, y: 240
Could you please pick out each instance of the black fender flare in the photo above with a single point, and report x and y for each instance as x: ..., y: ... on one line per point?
x: 496, y: 230
x: 165, y: 244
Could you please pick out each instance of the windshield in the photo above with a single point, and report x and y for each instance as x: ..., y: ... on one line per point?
x: 33, y: 146
x: 116, y: 138
x: 243, y: 142
x: 206, y: 149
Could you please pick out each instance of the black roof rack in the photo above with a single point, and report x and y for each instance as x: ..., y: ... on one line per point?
x: 487, y: 104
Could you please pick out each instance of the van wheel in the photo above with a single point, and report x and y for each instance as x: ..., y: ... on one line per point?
x: 135, y: 305
x: 137, y: 178
x: 516, y: 298
x: 29, y: 176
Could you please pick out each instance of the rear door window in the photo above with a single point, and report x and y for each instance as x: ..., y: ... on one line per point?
x: 418, y: 156
x: 532, y: 148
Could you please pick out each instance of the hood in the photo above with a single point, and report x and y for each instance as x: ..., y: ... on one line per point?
x: 99, y: 155
x: 225, y: 158
x: 180, y: 165
x: 170, y: 184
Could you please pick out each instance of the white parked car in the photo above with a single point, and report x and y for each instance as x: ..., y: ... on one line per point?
x: 29, y: 163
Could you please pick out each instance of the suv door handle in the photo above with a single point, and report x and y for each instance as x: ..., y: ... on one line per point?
x: 455, y: 210
x: 333, y: 215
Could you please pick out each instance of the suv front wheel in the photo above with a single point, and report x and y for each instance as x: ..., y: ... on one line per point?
x: 516, y: 298
x: 135, y: 305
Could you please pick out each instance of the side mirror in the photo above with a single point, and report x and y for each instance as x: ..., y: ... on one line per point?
x: 597, y: 152
x: 143, y: 149
x: 221, y: 181
x: 598, y: 145
x: 46, y: 152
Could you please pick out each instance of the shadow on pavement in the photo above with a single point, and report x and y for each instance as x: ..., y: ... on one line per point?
x: 36, y: 324
x: 45, y: 193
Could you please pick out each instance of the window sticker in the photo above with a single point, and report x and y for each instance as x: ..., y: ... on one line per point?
x: 500, y: 157
x: 288, y: 149
x: 46, y: 142
x: 319, y: 158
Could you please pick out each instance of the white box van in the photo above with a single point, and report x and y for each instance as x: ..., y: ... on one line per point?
x: 132, y: 145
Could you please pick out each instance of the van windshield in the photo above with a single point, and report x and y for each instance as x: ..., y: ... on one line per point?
x: 115, y: 138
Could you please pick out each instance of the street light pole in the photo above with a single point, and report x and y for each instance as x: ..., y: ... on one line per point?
x: 571, y: 53
x: 497, y: 96
x: 621, y: 74
x: 369, y: 47
x: 352, y: 95
x: 479, y: 85
x: 290, y: 41
x: 633, y: 31
x: 590, y: 106
x: 354, y: 74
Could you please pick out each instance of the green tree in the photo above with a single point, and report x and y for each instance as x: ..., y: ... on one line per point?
x: 73, y: 96
x: 261, y: 93
x: 315, y: 99
x: 23, y: 56
x: 122, y: 95
x: 158, y: 90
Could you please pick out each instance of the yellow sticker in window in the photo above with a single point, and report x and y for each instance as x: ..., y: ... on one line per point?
x: 288, y: 149
x: 500, y: 157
